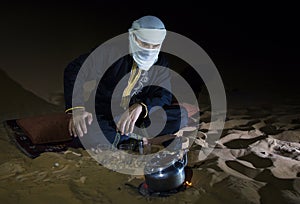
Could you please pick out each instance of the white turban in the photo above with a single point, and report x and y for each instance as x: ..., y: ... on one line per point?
x: 149, y: 29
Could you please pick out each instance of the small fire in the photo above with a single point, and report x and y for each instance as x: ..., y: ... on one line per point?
x: 187, y: 183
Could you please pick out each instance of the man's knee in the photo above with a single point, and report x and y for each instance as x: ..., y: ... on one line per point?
x: 178, y: 115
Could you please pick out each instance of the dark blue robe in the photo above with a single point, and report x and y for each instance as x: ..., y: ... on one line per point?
x: 151, y: 96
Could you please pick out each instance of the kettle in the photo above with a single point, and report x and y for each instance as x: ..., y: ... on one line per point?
x: 167, y: 177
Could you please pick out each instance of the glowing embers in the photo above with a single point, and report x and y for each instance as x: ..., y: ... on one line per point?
x: 188, y: 184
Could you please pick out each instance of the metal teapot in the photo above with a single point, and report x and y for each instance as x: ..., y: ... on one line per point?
x: 164, y: 173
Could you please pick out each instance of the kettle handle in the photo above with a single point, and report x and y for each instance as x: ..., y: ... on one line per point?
x: 184, y: 159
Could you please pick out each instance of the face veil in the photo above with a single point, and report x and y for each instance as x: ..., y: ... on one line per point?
x: 148, y: 29
x: 144, y: 57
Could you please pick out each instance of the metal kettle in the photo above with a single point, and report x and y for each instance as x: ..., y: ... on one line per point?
x: 169, y: 177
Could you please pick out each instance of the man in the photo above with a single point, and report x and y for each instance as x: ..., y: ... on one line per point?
x: 139, y: 98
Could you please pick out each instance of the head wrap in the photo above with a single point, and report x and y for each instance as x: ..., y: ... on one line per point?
x: 149, y: 29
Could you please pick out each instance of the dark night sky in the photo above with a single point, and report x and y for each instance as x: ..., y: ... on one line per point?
x: 245, y: 40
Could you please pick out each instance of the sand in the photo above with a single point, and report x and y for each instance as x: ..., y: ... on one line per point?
x: 257, y: 159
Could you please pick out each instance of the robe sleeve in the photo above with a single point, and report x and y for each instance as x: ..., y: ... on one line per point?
x: 87, y: 68
x: 70, y: 75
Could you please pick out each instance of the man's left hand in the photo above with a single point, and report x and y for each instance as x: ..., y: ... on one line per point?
x: 127, y: 121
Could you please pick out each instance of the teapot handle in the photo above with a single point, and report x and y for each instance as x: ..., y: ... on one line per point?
x: 184, y: 159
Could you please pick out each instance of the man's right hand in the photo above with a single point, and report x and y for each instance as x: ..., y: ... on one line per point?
x: 77, y: 123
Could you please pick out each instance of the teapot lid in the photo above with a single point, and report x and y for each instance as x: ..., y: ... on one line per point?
x: 161, y: 161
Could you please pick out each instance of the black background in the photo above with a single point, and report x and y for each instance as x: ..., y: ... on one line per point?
x: 252, y: 44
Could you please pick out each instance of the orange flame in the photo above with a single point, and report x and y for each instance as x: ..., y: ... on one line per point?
x: 187, y: 183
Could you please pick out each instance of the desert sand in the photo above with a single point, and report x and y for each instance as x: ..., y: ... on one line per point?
x: 257, y: 159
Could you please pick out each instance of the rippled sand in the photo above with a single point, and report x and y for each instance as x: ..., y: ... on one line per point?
x: 257, y: 160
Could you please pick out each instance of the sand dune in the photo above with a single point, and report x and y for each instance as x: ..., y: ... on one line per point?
x: 257, y: 160
x: 17, y: 102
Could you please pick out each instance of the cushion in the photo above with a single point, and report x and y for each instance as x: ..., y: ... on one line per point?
x: 46, y: 128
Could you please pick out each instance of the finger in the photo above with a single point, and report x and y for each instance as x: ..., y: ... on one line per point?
x: 118, y: 126
x: 122, y: 126
x: 73, y: 129
x: 119, y: 121
x: 145, y: 141
x: 78, y: 129
x: 128, y: 126
x: 90, y: 118
x: 135, y: 117
x: 131, y: 127
x: 82, y: 124
x: 70, y: 127
x: 122, y: 122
